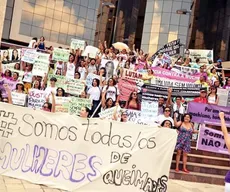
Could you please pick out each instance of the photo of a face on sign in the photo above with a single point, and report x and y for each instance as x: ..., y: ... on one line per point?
x: 109, y: 66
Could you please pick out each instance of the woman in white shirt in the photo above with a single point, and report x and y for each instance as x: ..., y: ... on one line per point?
x: 212, y: 96
x: 70, y: 67
x: 94, y: 93
x: 82, y: 70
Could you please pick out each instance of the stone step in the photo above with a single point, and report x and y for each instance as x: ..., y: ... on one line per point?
x: 207, y: 153
x: 197, y: 177
x: 211, y: 160
x: 203, y: 168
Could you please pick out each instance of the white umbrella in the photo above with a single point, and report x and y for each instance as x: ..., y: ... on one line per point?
x: 120, y: 46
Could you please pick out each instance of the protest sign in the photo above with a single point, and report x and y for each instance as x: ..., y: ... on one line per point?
x: 224, y: 97
x: 36, y: 98
x: 164, y: 73
x: 110, y: 67
x: 18, y: 98
x: 211, y: 140
x: 107, y: 113
x: 126, y: 87
x: 75, y: 86
x: 62, y: 104
x: 134, y: 75
x: 11, y: 85
x: 207, y: 113
x: 77, y: 103
x: 173, y: 83
x: 204, y: 55
x: 61, y: 55
x: 149, y: 110
x: 77, y: 44
x: 172, y: 48
x: 43, y: 56
x: 29, y: 55
x: 154, y: 92
x: 186, y: 70
x: 61, y: 81
x: 90, y: 51
x: 40, y: 67
x: 76, y: 154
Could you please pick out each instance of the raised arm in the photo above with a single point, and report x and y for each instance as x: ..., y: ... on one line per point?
x: 10, y: 101
x: 177, y: 123
x: 224, y: 130
x: 169, y: 99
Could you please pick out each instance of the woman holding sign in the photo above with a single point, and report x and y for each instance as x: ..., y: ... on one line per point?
x: 227, y: 141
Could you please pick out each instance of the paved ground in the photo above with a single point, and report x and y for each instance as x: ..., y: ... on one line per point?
x: 14, y: 185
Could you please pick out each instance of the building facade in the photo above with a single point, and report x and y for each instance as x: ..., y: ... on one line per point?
x: 149, y: 24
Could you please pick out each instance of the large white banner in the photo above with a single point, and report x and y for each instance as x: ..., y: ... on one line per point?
x: 74, y: 154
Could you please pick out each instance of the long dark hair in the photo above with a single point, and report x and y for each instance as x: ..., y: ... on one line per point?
x: 63, y: 92
x: 131, y: 96
x: 182, y: 118
x: 23, y: 88
x: 98, y: 82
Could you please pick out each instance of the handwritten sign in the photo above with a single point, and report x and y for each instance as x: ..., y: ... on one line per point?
x: 77, y: 103
x: 75, y: 154
x: 40, y: 67
x: 18, y: 98
x: 149, y: 110
x: 36, y: 98
x: 61, y: 55
x: 29, y: 55
x: 61, y: 81
x: 90, y: 77
x: 77, y: 44
x: 202, y: 54
x: 62, y: 104
x: 107, y: 113
x: 75, y: 86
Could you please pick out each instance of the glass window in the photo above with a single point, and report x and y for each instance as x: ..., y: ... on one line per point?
x: 154, y: 38
x: 156, y: 18
x: 87, y: 34
x: 152, y: 49
x: 75, y: 9
x: 90, y: 14
x: 67, y: 7
x: 163, y: 38
x: 158, y: 5
x: 167, y: 7
x: 82, y: 12
x: 50, y: 4
x: 176, y: 6
x: 155, y: 28
x: 73, y: 19
x: 65, y: 17
x: 149, y: 7
x: 147, y: 28
x: 88, y: 24
x: 149, y: 18
x: 146, y: 38
x: 164, y: 28
x: 186, y: 5
x: 41, y: 2
x: 64, y: 27
x: 40, y: 10
x: 92, y: 4
x: 59, y: 5
x: 184, y: 20
x: 77, y: 2
x: 72, y: 29
x: 56, y: 25
x: 172, y: 37
x: 36, y: 32
x: 10, y: 3
x: 28, y: 7
x: 80, y: 31
x: 48, y: 23
x: 30, y: 1
x: 25, y: 29
x: 69, y: 37
x: 54, y: 36
x: 175, y: 19
x: 173, y: 29
x: 49, y: 12
x: 165, y: 18
x: 62, y: 38
x: 38, y: 20
x: 46, y: 34
x: 27, y: 17
x: 81, y: 22
x: 57, y: 15
x: 183, y: 30
x: 85, y: 3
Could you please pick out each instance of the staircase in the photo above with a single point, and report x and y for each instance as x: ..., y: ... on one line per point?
x: 204, y: 167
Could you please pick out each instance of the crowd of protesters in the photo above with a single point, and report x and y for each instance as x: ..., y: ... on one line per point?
x: 104, y: 91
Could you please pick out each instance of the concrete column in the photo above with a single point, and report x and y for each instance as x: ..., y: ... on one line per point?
x: 2, y: 16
